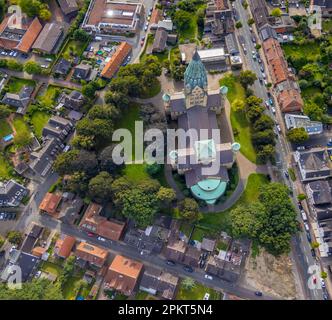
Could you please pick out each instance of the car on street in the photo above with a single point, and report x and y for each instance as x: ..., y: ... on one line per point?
x: 308, y: 236
x: 261, y: 68
x: 306, y: 227
x: 267, y: 103
x: 208, y: 277
x: 170, y: 263
x: 250, y: 29
x: 142, y: 43
x: 325, y: 296
x: 278, y: 128
x: 329, y: 144
x: 297, y: 5
x: 260, y: 80
x: 273, y: 110
x: 90, y: 234
x: 301, y: 148
x: 258, y: 293
x: 304, y: 216
x: 259, y: 60
x: 253, y: 39
x: 313, y: 253
x: 263, y: 75
x: 323, y: 283
x: 271, y: 101
x: 188, y: 269
x: 101, y: 239
x: 286, y: 174
x: 38, y: 274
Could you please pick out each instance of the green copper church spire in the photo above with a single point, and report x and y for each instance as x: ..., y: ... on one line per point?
x: 195, y: 74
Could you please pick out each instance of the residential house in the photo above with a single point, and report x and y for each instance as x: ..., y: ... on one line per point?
x: 39, y: 252
x: 166, y: 25
x: 113, y: 65
x: 325, y: 6
x: 156, y: 16
x: 300, y: 121
x: 68, y: 7
x: 50, y: 204
x: 91, y: 254
x: 123, y: 275
x: 19, y: 36
x: 260, y: 13
x: 70, y: 213
x: 64, y: 246
x: 82, y: 71
x: 28, y: 264
x: 144, y: 241
x: 19, y: 100
x: 289, y: 96
x: 191, y: 257
x: 208, y: 245
x: 49, y: 39
x: 41, y: 161
x: 231, y: 45
x: 159, y: 42
x: 57, y: 127
x: 125, y: 17
x: 11, y: 193
x: 32, y: 238
x: 62, y: 67
x: 319, y: 194
x: 175, y: 250
x: 93, y: 222
x: 218, y: 24
x: 160, y: 283
x: 74, y: 100
x: 314, y: 164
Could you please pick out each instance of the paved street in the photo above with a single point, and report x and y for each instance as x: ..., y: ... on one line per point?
x: 117, y: 247
x: 300, y: 247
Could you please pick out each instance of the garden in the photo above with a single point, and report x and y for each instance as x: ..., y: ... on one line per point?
x: 72, y: 49
x: 15, y: 84
x: 196, y: 291
x: 239, y: 121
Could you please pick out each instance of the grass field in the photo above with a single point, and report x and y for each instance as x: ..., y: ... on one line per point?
x: 20, y: 125
x: 221, y: 220
x: 39, y: 120
x: 309, y: 50
x: 4, y: 128
x: 190, y: 32
x: 50, y: 95
x: 197, y: 293
x: 73, y: 49
x: 16, y: 84
x: 50, y: 267
x: 5, y: 168
x: 239, y: 121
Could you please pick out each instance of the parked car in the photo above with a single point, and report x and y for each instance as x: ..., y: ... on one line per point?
x: 170, y: 263
x: 259, y: 60
x: 306, y: 227
x: 208, y: 277
x: 278, y: 128
x: 38, y: 274
x: 101, y: 239
x: 286, y: 174
x: 90, y: 234
x: 267, y: 104
x: 258, y: 293
x: 323, y: 283
x: 271, y: 101
x: 273, y: 110
x: 304, y: 216
x: 188, y: 269
x: 263, y: 75
x: 308, y: 236
x: 261, y: 68
x: 301, y: 148
x: 329, y: 144
x: 313, y: 253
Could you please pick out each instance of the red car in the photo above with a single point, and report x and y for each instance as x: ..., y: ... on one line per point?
x: 91, y: 234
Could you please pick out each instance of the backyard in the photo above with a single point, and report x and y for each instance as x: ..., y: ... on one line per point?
x: 50, y: 95
x: 197, y: 293
x: 21, y: 126
x: 16, y: 84
x: 73, y: 49
x: 39, y: 120
x: 239, y: 122
x: 221, y: 220
x: 5, y: 168
x: 4, y: 128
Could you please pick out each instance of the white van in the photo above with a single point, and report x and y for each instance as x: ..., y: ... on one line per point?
x: 304, y: 216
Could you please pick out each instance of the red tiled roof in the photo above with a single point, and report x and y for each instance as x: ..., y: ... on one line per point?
x: 64, y: 246
x: 50, y: 203
x: 114, y: 64
x: 290, y: 100
x: 156, y: 16
x: 30, y: 36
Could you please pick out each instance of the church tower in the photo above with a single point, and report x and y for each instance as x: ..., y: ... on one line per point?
x: 195, y: 83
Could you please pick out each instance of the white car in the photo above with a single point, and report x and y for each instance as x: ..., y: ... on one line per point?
x: 206, y: 296
x: 323, y: 283
x: 101, y: 239
x: 208, y: 277
x: 278, y: 128
x: 273, y: 110
x: 306, y: 227
x: 263, y: 75
x: 38, y: 274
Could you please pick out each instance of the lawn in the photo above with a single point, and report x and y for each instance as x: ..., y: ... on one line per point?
x: 4, y: 128
x: 239, y: 121
x: 308, y: 50
x: 134, y: 172
x: 310, y: 92
x: 50, y: 95
x: 5, y: 168
x: 20, y: 125
x: 190, y: 32
x: 50, y: 267
x: 221, y: 220
x: 39, y: 120
x: 16, y: 84
x: 327, y: 25
x: 197, y: 293
x: 68, y: 288
x: 73, y: 49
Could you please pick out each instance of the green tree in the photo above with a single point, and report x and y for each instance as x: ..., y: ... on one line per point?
x: 166, y: 195
x: 276, y: 12
x: 77, y: 183
x: 189, y: 210
x: 83, y: 142
x: 139, y: 206
x: 238, y: 25
x: 251, y: 21
x: 313, y: 111
x: 100, y: 187
x: 4, y: 111
x: 81, y: 35
x: 149, y: 186
x: 247, y: 78
x: 182, y: 19
x: 301, y: 197
x: 14, y: 237
x: 22, y: 139
x: 263, y: 138
x: 238, y: 105
x: 45, y: 14
x: 254, y: 113
x: 32, y: 67
x: 153, y: 169
x: 14, y: 65
x: 99, y: 128
x: 297, y: 135
x: 264, y: 122
x: 266, y: 153
x: 188, y: 283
